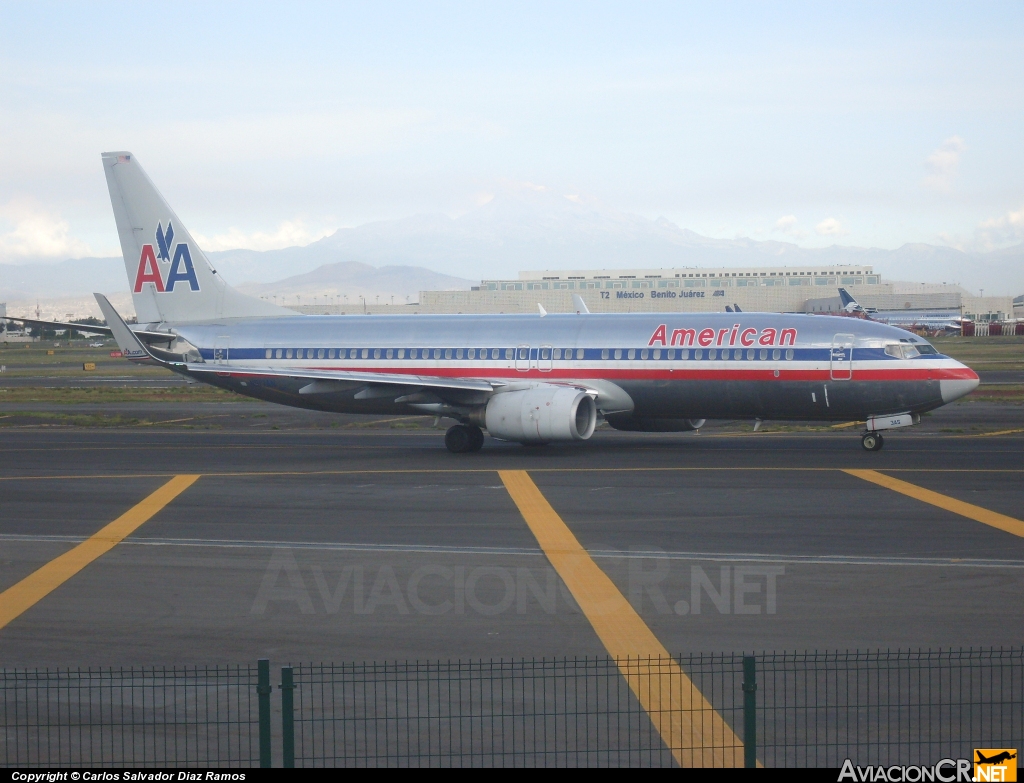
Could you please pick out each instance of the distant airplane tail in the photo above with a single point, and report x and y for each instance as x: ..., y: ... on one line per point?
x: 850, y: 304
x: 170, y: 277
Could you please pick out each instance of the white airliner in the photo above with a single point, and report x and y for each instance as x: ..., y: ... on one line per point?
x: 525, y: 378
x: 931, y: 321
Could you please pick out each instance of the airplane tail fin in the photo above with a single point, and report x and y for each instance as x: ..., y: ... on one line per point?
x: 170, y: 277
x: 849, y: 303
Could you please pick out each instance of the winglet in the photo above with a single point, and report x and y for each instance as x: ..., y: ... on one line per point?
x: 540, y: 307
x: 579, y: 305
x: 129, y: 344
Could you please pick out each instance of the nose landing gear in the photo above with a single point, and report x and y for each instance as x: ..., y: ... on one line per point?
x: 463, y: 439
x: 872, y: 441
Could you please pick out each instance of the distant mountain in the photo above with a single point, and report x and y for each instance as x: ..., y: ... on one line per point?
x: 520, y: 228
x: 353, y: 279
x: 73, y: 277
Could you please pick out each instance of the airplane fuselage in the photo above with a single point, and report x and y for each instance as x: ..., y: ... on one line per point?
x: 648, y: 366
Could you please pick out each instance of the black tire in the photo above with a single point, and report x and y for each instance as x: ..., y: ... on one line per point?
x: 459, y: 439
x: 871, y: 441
x: 879, y: 442
x: 477, y: 438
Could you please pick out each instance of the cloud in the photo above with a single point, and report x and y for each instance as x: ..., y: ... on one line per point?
x: 787, y: 225
x: 943, y: 164
x: 36, y: 233
x: 830, y: 227
x: 1002, y: 230
x: 289, y: 234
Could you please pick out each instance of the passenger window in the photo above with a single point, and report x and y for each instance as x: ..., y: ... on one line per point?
x: 579, y: 353
x: 277, y: 353
x: 508, y: 353
x: 366, y: 353
x: 712, y: 354
x: 750, y: 354
x: 764, y: 354
x: 776, y: 355
x: 376, y: 353
x: 698, y: 354
x: 269, y: 353
x: 458, y: 353
x: 320, y: 353
x: 657, y: 353
x: 643, y: 354
x: 390, y: 354
x: 401, y: 353
x: 789, y: 354
x: 556, y: 353
x: 604, y: 353
x: 437, y: 353
x: 618, y: 353
x: 412, y: 353
x: 288, y: 354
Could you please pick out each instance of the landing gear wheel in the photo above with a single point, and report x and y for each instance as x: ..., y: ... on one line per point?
x: 462, y: 439
x: 872, y: 441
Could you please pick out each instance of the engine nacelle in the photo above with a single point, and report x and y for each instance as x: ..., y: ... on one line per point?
x: 541, y: 414
x: 633, y: 424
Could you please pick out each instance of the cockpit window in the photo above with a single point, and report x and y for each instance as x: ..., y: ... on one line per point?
x: 924, y: 348
x: 905, y: 351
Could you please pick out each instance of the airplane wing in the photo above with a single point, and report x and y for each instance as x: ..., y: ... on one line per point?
x: 344, y: 376
x: 320, y: 380
x: 149, y: 337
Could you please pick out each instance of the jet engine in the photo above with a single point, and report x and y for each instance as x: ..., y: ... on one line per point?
x: 634, y: 424
x: 541, y: 414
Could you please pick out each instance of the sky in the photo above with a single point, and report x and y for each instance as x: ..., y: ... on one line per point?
x: 272, y: 125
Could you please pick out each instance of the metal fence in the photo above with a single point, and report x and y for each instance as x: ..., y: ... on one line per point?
x: 569, y: 712
x: 140, y: 717
x: 775, y: 709
x: 892, y: 707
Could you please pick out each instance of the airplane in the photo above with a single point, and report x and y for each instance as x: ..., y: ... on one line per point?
x: 531, y: 379
x: 996, y: 759
x: 932, y: 321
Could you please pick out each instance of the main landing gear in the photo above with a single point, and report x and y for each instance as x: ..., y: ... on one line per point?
x: 463, y: 439
x: 872, y: 441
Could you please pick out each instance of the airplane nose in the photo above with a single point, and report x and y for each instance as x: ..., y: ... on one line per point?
x: 954, y: 388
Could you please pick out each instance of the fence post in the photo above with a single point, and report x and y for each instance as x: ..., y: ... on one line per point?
x: 263, y: 690
x: 749, y: 712
x: 287, y: 717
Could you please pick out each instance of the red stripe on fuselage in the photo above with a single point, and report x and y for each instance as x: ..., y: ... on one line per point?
x: 900, y: 374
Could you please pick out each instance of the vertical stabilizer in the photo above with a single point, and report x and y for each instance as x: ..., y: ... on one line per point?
x: 170, y: 277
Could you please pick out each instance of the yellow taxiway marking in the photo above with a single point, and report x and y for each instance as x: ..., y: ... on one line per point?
x: 977, y: 513
x: 847, y: 424
x: 691, y: 728
x: 37, y: 585
x: 1000, y: 432
x: 457, y: 471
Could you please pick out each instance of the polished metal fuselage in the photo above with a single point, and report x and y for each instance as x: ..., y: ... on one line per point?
x: 667, y: 365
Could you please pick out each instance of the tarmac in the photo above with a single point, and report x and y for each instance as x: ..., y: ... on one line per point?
x: 313, y: 537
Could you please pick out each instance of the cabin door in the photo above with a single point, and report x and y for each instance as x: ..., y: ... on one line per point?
x: 841, y: 363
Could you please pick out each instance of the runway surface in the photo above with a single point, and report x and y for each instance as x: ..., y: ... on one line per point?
x: 304, y: 541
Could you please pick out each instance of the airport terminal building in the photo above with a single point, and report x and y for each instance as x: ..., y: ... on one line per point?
x: 771, y: 289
